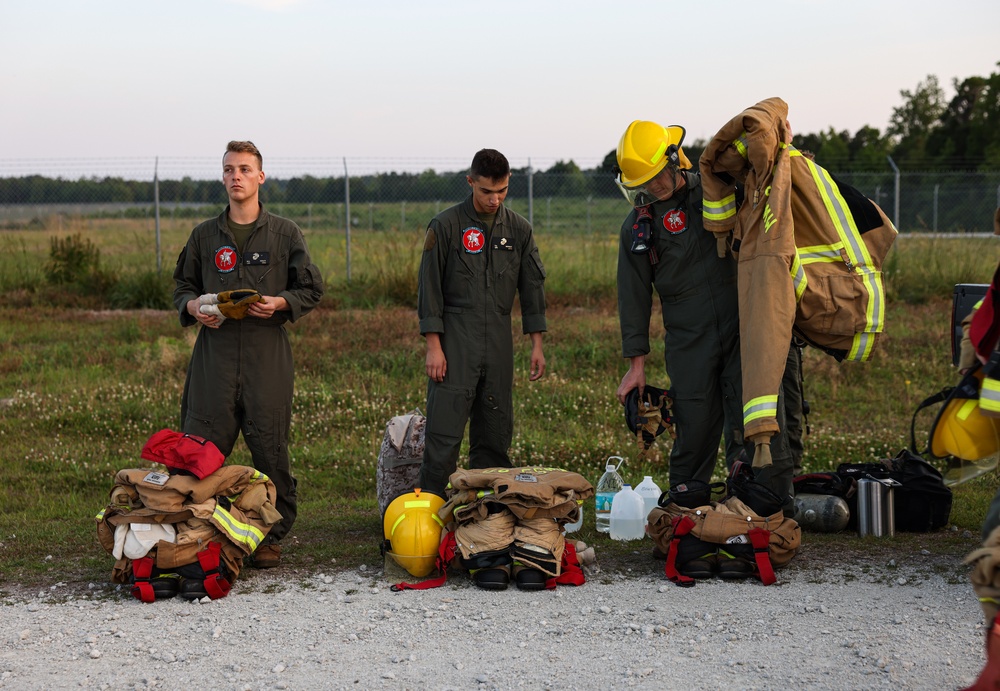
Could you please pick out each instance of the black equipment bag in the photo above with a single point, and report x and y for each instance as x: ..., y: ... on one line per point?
x: 922, y: 502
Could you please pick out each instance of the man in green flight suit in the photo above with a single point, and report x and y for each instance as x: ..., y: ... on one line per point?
x: 476, y: 256
x: 663, y: 245
x: 241, y: 375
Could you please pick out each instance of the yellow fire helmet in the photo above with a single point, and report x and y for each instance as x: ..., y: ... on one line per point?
x: 963, y: 433
x: 412, y: 531
x: 646, y: 148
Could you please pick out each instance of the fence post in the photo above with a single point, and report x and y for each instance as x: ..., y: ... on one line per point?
x: 590, y: 199
x: 402, y: 214
x: 371, y: 215
x: 156, y: 208
x: 347, y: 218
x: 936, y: 188
x: 895, y: 215
x: 548, y: 213
x: 531, y: 195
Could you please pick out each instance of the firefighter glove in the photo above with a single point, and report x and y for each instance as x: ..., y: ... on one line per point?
x: 235, y: 303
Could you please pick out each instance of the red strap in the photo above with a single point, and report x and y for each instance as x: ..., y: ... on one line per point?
x: 571, y: 573
x: 761, y: 539
x: 446, y: 552
x: 682, y: 526
x: 142, y: 569
x: 215, y: 584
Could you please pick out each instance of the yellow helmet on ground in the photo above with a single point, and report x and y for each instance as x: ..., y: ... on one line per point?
x: 962, y: 434
x: 646, y: 148
x: 412, y: 531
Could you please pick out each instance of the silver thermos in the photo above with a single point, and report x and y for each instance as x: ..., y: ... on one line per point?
x: 876, y: 511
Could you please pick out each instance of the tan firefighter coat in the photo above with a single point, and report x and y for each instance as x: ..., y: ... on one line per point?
x: 809, y: 250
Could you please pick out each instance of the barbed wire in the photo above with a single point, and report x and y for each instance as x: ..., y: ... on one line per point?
x: 210, y: 167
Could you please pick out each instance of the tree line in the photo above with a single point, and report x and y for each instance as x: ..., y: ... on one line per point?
x: 926, y: 132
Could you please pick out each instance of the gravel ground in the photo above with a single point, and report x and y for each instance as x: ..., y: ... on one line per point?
x: 912, y: 625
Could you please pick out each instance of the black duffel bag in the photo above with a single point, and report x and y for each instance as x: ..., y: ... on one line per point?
x: 922, y: 501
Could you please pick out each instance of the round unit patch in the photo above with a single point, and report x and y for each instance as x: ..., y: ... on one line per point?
x: 225, y: 259
x: 473, y: 240
x: 675, y: 221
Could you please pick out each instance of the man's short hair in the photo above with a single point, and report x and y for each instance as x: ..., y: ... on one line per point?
x: 247, y: 147
x: 489, y: 163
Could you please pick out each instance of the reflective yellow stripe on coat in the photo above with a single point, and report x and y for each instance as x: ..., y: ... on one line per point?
x: 238, y: 531
x: 855, y: 255
x: 760, y: 407
x: 989, y: 397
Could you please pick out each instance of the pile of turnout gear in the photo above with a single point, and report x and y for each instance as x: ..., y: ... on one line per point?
x: 499, y: 524
x: 187, y: 530
x: 733, y: 529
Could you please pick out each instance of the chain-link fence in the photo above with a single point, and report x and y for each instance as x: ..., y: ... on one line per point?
x: 561, y: 197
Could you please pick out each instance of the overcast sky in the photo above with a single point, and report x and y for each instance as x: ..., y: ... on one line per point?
x: 393, y: 84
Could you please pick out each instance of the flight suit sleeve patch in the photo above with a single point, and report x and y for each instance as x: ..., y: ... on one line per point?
x: 430, y: 240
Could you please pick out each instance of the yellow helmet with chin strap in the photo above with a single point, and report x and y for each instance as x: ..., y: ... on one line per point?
x: 961, y: 435
x: 412, y: 531
x: 646, y: 148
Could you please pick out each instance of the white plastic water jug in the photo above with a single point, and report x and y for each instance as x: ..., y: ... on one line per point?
x: 650, y: 493
x: 628, y: 518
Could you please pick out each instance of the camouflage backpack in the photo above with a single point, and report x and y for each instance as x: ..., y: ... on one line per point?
x: 400, y: 457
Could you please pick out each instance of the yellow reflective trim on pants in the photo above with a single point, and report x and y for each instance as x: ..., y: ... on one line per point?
x: 720, y: 210
x: 238, y: 530
x: 799, y: 279
x: 100, y: 516
x: 760, y: 407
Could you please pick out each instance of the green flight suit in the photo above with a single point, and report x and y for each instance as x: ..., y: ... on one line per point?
x: 469, y: 275
x: 240, y: 378
x: 698, y: 297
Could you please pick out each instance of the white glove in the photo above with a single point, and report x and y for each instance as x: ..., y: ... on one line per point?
x: 211, y: 308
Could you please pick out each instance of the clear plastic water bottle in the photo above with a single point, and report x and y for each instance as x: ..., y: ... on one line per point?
x: 628, y: 520
x: 608, y: 486
x: 650, y: 493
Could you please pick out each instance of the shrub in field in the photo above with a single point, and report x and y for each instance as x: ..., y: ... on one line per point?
x: 142, y: 290
x: 71, y: 259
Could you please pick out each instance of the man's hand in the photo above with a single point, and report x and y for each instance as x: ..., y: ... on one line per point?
x: 537, y: 358
x: 210, y: 320
x: 436, y: 363
x: 635, y: 378
x: 267, y: 306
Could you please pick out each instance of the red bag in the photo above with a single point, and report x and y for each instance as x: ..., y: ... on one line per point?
x: 196, y: 455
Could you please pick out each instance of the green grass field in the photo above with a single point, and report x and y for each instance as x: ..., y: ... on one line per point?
x: 82, y: 386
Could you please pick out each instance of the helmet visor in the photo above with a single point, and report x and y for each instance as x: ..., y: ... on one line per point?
x: 638, y: 195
